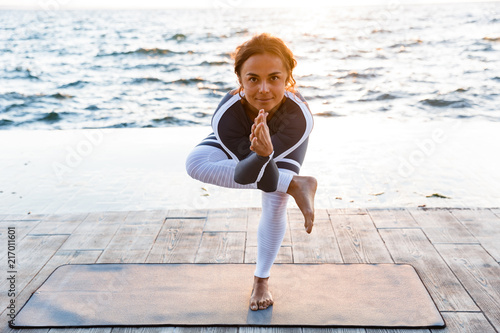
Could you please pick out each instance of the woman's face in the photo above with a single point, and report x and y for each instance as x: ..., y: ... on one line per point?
x: 263, y: 77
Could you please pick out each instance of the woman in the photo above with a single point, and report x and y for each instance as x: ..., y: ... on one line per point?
x: 259, y: 140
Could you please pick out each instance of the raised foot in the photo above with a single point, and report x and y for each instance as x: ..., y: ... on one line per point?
x: 303, y: 189
x: 261, y: 298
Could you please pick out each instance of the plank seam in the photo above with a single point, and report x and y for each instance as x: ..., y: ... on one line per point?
x: 460, y: 281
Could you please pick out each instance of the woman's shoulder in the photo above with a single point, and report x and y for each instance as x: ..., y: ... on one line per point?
x: 229, y: 99
x: 297, y: 97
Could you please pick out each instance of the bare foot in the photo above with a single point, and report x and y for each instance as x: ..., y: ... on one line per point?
x: 303, y: 189
x: 261, y: 297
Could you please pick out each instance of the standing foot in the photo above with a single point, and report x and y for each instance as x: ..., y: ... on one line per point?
x: 303, y: 189
x: 261, y: 297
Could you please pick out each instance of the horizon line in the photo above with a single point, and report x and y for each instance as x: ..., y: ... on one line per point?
x: 198, y: 6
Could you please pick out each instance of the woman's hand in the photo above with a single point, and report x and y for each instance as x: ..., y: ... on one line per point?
x: 260, y: 138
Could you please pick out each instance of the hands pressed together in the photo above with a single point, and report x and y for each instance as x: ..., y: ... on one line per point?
x: 260, y: 139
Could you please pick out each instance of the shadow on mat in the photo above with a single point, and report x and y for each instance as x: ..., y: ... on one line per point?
x: 260, y: 317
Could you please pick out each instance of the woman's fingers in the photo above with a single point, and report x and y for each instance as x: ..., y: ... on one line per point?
x: 260, y: 139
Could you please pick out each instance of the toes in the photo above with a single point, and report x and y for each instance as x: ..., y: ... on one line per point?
x: 253, y: 305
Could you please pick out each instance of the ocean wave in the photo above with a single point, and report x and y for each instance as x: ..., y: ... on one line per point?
x: 328, y: 114
x: 357, y: 75
x: 460, y: 103
x: 28, y: 73
x: 178, y: 37
x: 59, y: 95
x: 163, y: 67
x: 6, y: 122
x: 15, y: 106
x: 214, y: 63
x: 378, y: 31
x: 380, y: 97
x: 142, y: 80
x: 78, y: 84
x: 405, y: 45
x: 143, y: 51
x: 170, y: 120
x: 492, y: 39
x: 51, y: 117
x: 122, y: 125
x: 188, y: 81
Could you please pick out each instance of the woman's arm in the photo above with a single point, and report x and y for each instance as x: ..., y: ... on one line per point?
x: 259, y: 165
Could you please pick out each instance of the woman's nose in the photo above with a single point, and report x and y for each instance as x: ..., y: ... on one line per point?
x: 263, y: 87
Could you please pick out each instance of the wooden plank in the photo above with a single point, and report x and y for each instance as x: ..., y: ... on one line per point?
x: 496, y: 211
x: 177, y: 242
x: 347, y: 211
x: 81, y: 330
x: 95, y: 232
x: 392, y: 218
x: 212, y: 329
x: 270, y: 329
x: 146, y: 216
x: 132, y: 242
x: 484, y: 225
x: 441, y: 226
x: 284, y: 255
x: 411, y: 246
x: 358, y: 239
x: 333, y: 330
x: 221, y: 247
x: 58, y: 259
x: 228, y: 219
x: 59, y: 224
x: 395, y: 330
x: 7, y: 329
x: 23, y: 228
x: 31, y: 255
x: 480, y: 275
x: 320, y: 246
x: 466, y: 322
x: 187, y: 214
x: 147, y: 330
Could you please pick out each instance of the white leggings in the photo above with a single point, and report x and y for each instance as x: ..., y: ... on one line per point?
x: 211, y: 165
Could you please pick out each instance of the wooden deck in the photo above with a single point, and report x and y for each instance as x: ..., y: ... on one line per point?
x: 455, y: 251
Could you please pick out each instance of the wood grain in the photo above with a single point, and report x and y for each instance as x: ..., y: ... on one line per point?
x: 410, y: 246
x: 466, y: 322
x: 359, y: 240
x: 234, y: 219
x: 320, y: 246
x: 221, y: 247
x: 177, y: 241
x: 392, y: 218
x: 480, y: 275
x: 441, y: 226
x: 484, y: 225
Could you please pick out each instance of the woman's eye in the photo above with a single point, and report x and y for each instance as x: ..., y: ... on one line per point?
x: 252, y: 79
x: 275, y: 78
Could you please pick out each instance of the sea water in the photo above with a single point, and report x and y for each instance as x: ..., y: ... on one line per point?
x: 156, y: 68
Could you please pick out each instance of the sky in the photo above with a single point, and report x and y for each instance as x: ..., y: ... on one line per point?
x: 148, y: 4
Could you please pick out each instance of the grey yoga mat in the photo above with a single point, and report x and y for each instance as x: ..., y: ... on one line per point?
x: 318, y: 295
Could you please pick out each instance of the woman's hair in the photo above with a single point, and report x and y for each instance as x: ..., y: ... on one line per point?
x: 265, y: 43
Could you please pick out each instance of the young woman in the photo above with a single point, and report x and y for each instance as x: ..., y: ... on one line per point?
x: 259, y: 141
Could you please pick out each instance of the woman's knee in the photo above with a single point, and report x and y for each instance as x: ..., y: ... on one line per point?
x: 193, y: 162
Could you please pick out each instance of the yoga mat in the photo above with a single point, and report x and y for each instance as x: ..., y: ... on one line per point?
x: 317, y: 295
